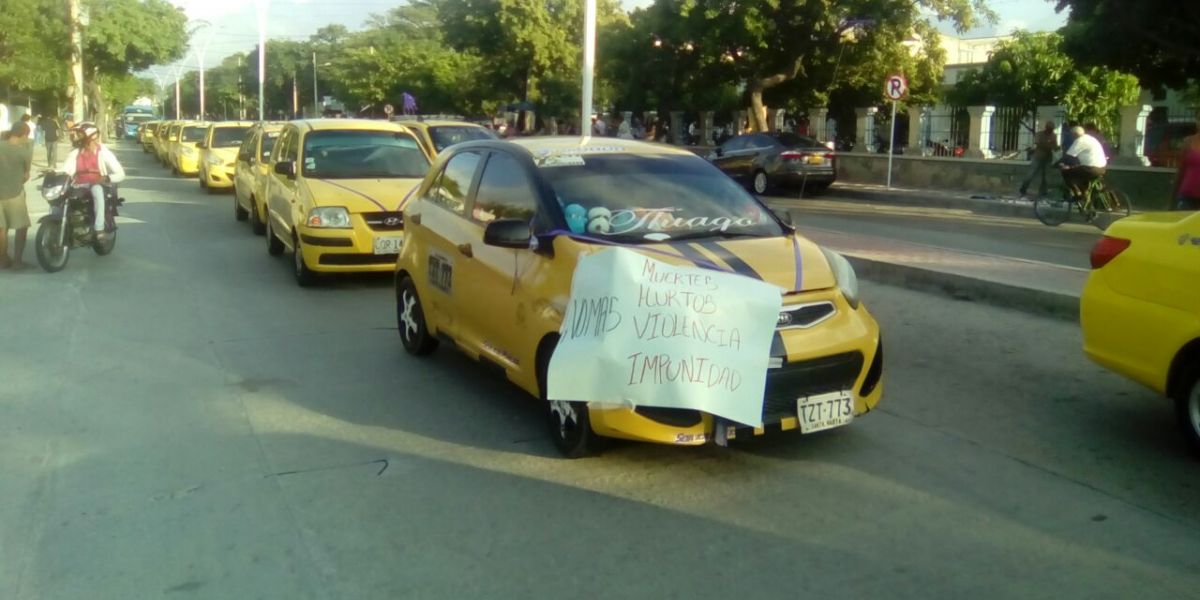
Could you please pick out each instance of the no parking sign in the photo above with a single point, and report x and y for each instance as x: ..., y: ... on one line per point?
x: 896, y: 87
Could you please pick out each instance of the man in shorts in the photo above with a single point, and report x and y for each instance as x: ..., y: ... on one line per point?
x: 15, y: 162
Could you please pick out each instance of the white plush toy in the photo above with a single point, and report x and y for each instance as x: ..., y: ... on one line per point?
x: 599, y: 220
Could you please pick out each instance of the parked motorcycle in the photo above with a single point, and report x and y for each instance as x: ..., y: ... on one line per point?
x: 70, y: 222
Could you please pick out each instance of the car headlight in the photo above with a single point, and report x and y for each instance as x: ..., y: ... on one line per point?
x: 53, y: 192
x: 843, y: 273
x: 333, y: 217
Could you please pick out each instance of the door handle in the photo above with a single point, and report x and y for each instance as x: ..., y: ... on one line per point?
x: 466, y: 251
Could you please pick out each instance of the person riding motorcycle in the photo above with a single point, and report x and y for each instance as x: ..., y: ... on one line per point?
x: 92, y: 165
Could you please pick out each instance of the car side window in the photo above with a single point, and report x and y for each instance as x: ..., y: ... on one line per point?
x: 284, y: 146
x: 455, y: 182
x: 759, y: 140
x: 246, y: 150
x: 505, y: 191
x: 734, y: 144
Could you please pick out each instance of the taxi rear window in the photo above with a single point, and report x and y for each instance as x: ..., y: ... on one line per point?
x: 194, y: 134
x: 656, y: 198
x: 444, y: 136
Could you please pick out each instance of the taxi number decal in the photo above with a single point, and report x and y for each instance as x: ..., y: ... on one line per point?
x: 441, y: 271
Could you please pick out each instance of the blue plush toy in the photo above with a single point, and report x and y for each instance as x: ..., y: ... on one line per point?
x: 577, y: 218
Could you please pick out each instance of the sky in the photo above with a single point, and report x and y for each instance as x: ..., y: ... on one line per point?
x: 234, y: 22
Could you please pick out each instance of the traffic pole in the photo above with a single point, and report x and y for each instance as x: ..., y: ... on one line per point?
x: 589, y: 66
x: 891, y: 145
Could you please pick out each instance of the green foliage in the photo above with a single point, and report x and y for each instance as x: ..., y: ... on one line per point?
x: 126, y: 36
x: 32, y: 52
x: 1156, y: 40
x: 1033, y: 70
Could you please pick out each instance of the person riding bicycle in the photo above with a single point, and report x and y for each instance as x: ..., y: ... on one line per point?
x: 1083, y: 163
x: 93, y: 165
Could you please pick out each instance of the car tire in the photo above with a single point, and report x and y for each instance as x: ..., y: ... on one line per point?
x: 305, y: 277
x: 1187, y: 410
x: 274, y: 246
x: 256, y: 224
x: 569, y: 423
x: 410, y: 320
x: 760, y: 184
x: 239, y: 213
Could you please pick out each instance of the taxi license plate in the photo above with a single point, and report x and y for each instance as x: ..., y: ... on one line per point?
x: 388, y: 245
x: 824, y: 411
x: 816, y: 160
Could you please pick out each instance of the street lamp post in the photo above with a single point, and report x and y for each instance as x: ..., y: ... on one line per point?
x: 589, y: 66
x: 203, y: 51
x: 316, y: 98
x: 261, y: 6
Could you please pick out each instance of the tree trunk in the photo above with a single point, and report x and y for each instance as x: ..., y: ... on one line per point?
x: 758, y: 112
x: 100, y: 107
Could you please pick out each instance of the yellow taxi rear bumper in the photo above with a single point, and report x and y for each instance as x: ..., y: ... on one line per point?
x: 349, y: 250
x: 1130, y: 336
x: 842, y: 353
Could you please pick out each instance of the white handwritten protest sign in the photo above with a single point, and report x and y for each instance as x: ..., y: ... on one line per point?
x: 641, y: 332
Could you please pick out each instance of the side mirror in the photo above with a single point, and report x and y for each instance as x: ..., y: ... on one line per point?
x: 201, y: 145
x: 508, y: 233
x: 286, y: 167
x: 785, y: 216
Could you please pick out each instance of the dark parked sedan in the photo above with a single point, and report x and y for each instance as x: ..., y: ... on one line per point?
x: 764, y: 161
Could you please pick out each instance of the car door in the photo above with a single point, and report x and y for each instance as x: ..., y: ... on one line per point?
x: 729, y: 155
x: 759, y: 150
x: 281, y: 189
x: 243, y: 171
x: 489, y: 305
x: 448, y: 238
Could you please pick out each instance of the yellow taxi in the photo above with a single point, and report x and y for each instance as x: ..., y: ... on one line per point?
x: 184, y: 154
x: 496, y: 230
x: 251, y: 171
x: 218, y: 149
x: 438, y: 134
x: 146, y: 135
x: 167, y: 134
x: 1140, y: 309
x: 335, y: 194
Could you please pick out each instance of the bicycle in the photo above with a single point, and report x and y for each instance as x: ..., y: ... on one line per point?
x: 1055, y: 209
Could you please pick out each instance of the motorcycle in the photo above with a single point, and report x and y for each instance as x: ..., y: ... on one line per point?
x: 70, y: 222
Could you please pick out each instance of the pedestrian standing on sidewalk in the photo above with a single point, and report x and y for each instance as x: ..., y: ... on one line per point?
x: 1187, y: 173
x: 1045, y: 144
x: 15, y: 163
x: 51, y: 134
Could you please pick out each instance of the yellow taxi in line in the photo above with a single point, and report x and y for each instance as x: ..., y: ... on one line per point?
x: 1140, y: 309
x: 185, y: 155
x: 492, y: 242
x: 438, y: 134
x: 146, y: 135
x: 167, y: 135
x: 335, y: 193
x: 251, y: 170
x: 218, y: 149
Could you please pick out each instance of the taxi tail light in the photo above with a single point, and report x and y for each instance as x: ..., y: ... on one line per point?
x: 1107, y: 249
x: 793, y: 155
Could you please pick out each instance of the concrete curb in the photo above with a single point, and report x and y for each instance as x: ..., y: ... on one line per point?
x: 998, y: 207
x: 961, y: 287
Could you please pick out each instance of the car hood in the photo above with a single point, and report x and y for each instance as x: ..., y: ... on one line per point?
x: 226, y: 154
x: 362, y: 195
x: 793, y: 263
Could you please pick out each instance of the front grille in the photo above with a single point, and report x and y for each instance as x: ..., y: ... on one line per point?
x: 384, y: 221
x: 805, y: 315
x: 358, y: 259
x: 805, y: 378
x: 676, y: 417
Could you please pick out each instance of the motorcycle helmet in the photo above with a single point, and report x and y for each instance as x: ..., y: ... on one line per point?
x: 84, y: 133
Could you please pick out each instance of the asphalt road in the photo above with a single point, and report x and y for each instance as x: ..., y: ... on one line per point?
x: 179, y: 419
x: 1013, y: 237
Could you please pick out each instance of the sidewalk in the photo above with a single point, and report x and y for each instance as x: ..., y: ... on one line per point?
x: 1030, y: 286
x: 986, y: 204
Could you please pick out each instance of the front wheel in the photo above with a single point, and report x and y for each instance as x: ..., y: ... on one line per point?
x: 256, y: 224
x: 1187, y: 410
x: 274, y: 246
x: 305, y: 277
x: 239, y: 213
x: 50, y: 254
x: 410, y: 320
x: 104, y: 248
x: 1052, y: 211
x: 761, y: 184
x: 570, y: 423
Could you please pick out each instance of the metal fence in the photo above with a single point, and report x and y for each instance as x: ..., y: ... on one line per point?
x: 1012, y: 132
x: 1165, y: 130
x: 945, y: 131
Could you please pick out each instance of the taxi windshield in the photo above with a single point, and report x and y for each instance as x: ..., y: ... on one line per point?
x: 363, y: 155
x: 193, y: 134
x: 447, y: 135
x: 228, y: 137
x: 650, y: 198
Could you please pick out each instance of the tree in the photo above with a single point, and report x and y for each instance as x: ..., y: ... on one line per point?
x: 126, y: 36
x: 1032, y: 70
x: 797, y: 47
x: 33, y: 52
x: 1156, y: 40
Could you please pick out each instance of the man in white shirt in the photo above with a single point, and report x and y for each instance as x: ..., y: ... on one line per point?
x: 1084, y: 162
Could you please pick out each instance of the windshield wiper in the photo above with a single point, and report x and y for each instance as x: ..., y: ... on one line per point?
x: 725, y: 235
